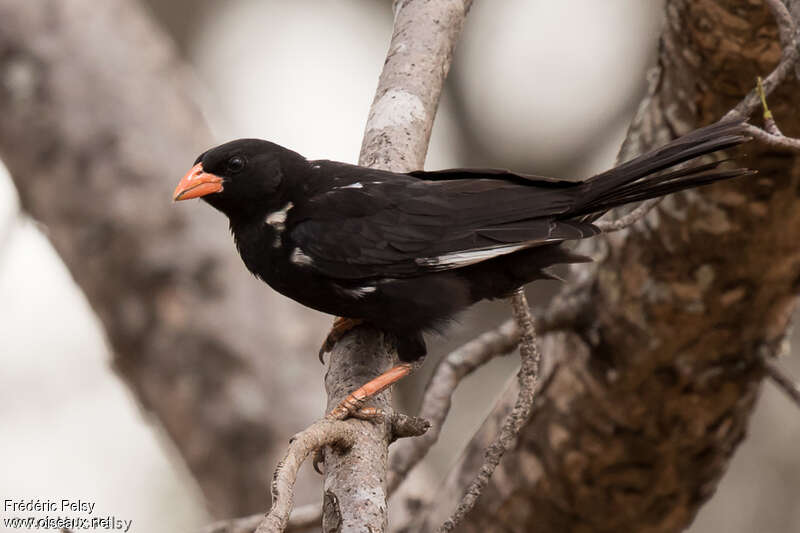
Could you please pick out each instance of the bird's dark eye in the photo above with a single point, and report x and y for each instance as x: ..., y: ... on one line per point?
x: 235, y: 164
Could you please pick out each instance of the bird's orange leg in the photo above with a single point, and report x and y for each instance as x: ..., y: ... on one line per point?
x: 352, y: 405
x: 340, y: 327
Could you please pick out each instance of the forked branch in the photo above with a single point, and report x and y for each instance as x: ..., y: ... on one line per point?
x: 340, y: 436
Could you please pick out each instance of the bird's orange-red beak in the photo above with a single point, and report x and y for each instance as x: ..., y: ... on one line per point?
x: 197, y: 183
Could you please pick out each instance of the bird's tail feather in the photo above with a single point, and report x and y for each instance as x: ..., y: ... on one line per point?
x: 643, y: 178
x: 653, y: 189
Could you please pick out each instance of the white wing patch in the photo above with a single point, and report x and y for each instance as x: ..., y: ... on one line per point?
x: 470, y: 257
x: 299, y: 258
x: 356, y: 292
x: 358, y: 185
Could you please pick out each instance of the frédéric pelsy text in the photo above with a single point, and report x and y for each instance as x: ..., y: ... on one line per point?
x: 49, y: 506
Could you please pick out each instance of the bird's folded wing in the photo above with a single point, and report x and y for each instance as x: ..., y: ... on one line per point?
x: 405, y: 227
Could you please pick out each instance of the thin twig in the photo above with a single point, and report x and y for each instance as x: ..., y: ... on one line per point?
x: 404, y: 426
x: 527, y: 377
x: 783, y: 381
x: 302, y: 518
x: 438, y: 395
x: 778, y: 141
x: 771, y: 134
x: 609, y: 226
x: 340, y: 435
x: 565, y: 311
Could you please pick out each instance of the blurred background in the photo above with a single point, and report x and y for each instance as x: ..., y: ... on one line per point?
x: 538, y: 86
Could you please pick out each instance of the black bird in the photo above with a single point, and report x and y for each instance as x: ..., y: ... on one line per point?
x: 406, y: 252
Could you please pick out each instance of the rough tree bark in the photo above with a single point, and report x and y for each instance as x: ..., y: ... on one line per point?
x: 657, y: 381
x: 396, y: 138
x: 98, y: 125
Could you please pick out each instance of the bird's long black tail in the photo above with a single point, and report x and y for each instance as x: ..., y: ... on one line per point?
x: 648, y: 176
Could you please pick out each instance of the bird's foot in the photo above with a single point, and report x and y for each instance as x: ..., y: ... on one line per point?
x: 340, y: 327
x: 353, y: 404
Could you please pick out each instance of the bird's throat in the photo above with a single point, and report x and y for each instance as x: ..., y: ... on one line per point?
x: 258, y: 244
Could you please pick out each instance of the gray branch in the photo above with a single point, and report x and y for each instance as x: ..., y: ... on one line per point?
x: 439, y: 392
x: 396, y: 138
x: 527, y: 379
x: 339, y: 436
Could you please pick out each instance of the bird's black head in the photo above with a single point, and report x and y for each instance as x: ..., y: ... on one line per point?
x: 238, y: 177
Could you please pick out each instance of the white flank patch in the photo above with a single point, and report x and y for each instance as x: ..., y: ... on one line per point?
x: 469, y: 257
x: 358, y: 292
x: 396, y: 108
x: 278, y: 218
x: 299, y: 258
x: 355, y: 185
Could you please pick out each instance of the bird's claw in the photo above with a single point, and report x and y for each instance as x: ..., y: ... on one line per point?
x: 322, y: 351
x: 340, y: 327
x: 344, y: 411
x: 319, y: 459
x: 353, y: 403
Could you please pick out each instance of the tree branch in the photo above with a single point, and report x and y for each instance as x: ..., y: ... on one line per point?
x: 339, y: 436
x: 301, y: 519
x: 629, y: 219
x: 527, y: 378
x: 396, y: 138
x: 438, y: 394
